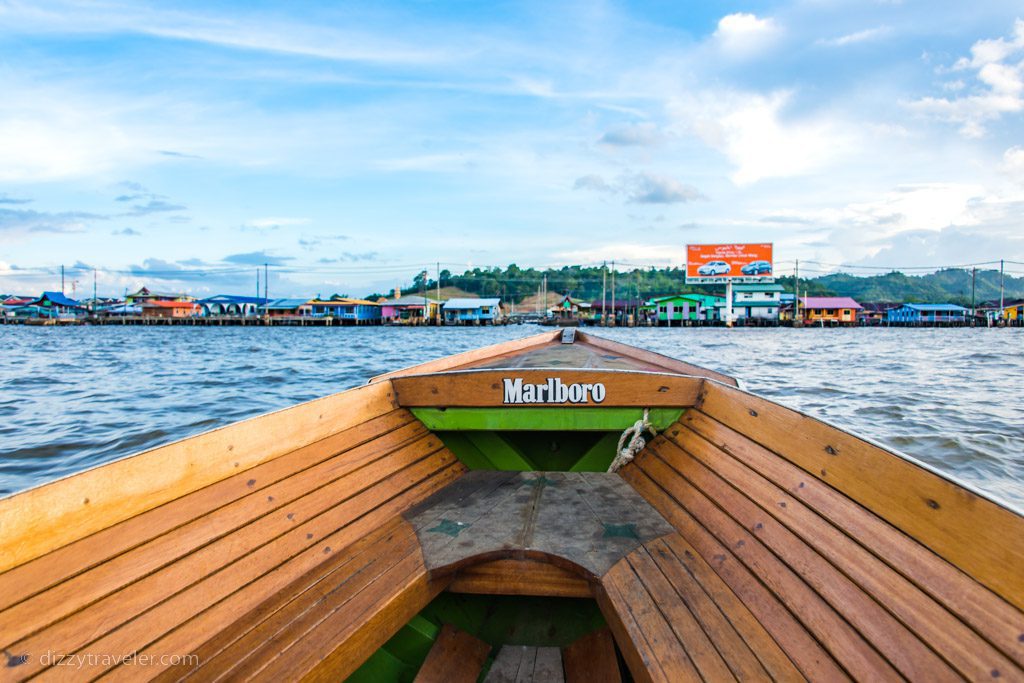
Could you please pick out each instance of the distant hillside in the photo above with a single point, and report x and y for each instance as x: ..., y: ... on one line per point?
x: 952, y: 285
x: 522, y: 285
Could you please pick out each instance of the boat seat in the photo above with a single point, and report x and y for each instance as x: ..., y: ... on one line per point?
x: 526, y: 664
x: 793, y: 566
x: 166, y: 581
x: 592, y: 659
x: 455, y: 657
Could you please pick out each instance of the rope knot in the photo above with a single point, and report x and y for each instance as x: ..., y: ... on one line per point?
x: 626, y: 452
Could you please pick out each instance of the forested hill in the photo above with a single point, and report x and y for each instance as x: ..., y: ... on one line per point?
x: 514, y: 283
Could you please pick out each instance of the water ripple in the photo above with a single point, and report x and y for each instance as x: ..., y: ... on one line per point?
x: 74, y: 398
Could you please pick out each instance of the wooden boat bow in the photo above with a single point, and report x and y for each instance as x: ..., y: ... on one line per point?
x: 444, y: 521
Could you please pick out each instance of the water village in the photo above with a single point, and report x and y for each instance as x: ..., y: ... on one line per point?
x: 763, y: 304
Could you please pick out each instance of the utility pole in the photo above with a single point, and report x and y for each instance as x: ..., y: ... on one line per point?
x: 604, y: 286
x: 613, y: 294
x: 974, y: 312
x: 93, y: 290
x: 266, y: 282
x: 544, y: 295
x: 438, y: 304
x: 1001, y: 302
x: 796, y: 292
x: 62, y: 278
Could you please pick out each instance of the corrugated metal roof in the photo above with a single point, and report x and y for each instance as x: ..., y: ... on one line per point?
x: 768, y: 287
x: 171, y: 304
x: 935, y: 307
x: 470, y: 304
x: 233, y: 299
x: 59, y: 299
x: 828, y: 302
x: 286, y: 304
x: 407, y: 300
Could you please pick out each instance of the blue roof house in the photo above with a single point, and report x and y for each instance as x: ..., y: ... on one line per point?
x: 471, y: 311
x: 927, y: 314
x: 54, y: 304
x: 230, y: 304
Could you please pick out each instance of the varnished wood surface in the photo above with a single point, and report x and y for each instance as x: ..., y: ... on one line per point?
x: 589, y: 351
x: 197, y: 565
x: 42, y: 519
x: 839, y: 590
x: 592, y: 659
x: 485, y: 388
x: 456, y: 657
x: 520, y: 577
x: 977, y: 535
x: 582, y: 521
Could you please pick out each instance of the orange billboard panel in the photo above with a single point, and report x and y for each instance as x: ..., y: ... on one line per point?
x: 721, y: 262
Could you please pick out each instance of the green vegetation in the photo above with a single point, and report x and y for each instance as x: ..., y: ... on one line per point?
x: 513, y: 283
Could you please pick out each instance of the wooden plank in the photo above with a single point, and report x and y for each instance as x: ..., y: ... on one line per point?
x: 456, y: 657
x: 214, y: 655
x: 973, y: 533
x: 592, y: 659
x: 267, y: 542
x: 339, y: 643
x: 670, y: 364
x: 483, y: 388
x: 41, y: 573
x: 300, y: 608
x: 542, y: 419
x: 507, y: 664
x: 196, y: 630
x: 627, y: 634
x: 278, y: 507
x: 526, y: 665
x: 520, y: 577
x: 898, y: 644
x: 805, y: 651
x: 733, y: 651
x: 475, y: 355
x: 849, y: 647
x: 949, y: 637
x: 985, y: 612
x: 37, y: 521
x: 691, y: 638
x: 722, y: 612
x: 547, y: 667
x: 652, y: 635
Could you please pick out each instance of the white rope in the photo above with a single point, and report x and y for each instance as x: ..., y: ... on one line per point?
x: 626, y: 452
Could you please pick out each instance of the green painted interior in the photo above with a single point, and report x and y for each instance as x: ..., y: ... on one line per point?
x: 537, y: 439
x: 495, y: 619
x: 542, y: 419
x: 561, y: 451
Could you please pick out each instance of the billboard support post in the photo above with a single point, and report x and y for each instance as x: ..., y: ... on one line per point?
x: 728, y: 303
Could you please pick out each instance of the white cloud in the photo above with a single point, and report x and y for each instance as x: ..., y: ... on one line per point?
x: 751, y: 131
x: 999, y: 89
x: 742, y: 35
x: 642, y: 188
x: 856, y: 37
x: 647, y: 254
x: 1013, y: 162
x: 275, y: 222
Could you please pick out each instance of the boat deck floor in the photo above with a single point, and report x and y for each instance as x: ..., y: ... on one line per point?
x: 711, y: 558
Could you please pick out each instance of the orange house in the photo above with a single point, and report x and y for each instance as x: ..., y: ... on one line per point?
x: 170, y: 309
x: 829, y: 309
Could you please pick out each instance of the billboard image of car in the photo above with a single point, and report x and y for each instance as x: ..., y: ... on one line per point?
x: 710, y: 263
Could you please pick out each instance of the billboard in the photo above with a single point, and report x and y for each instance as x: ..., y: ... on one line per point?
x: 719, y: 263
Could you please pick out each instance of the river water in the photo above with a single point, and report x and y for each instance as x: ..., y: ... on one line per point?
x: 72, y: 398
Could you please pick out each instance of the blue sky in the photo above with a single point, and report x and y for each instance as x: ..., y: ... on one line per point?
x: 181, y: 145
